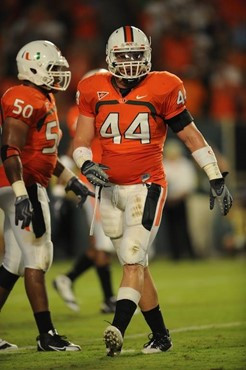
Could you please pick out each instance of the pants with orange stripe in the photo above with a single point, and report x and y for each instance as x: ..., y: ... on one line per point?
x: 131, y: 216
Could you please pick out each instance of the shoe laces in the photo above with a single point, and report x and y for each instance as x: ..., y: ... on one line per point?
x: 57, y: 336
x: 151, y: 338
x: 156, y: 339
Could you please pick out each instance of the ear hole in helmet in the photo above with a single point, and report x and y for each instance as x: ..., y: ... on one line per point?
x: 33, y: 71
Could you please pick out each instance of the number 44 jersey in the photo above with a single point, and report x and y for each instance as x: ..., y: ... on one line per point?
x: 132, y: 129
x: 37, y: 110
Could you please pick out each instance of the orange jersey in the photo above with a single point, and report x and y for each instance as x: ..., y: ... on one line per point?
x: 38, y: 111
x: 132, y: 130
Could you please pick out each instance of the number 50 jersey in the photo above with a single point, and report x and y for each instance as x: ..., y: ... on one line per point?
x: 132, y: 130
x: 37, y: 110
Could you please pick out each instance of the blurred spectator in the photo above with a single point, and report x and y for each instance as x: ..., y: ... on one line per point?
x: 176, y: 50
x: 196, y: 92
x: 85, y: 17
x: 226, y: 92
x: 182, y: 181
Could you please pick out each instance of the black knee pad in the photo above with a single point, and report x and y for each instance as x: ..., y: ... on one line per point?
x: 7, y: 279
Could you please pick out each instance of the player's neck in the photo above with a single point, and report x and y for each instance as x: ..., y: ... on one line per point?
x: 125, y: 84
x: 39, y: 88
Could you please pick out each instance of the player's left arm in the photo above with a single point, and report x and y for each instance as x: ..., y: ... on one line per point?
x: 206, y: 159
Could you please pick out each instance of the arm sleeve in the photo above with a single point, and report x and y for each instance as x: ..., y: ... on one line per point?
x: 176, y: 114
x: 175, y: 101
x: 17, y: 104
x: 84, y: 99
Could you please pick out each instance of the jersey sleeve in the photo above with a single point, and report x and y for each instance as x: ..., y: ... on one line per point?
x: 20, y: 104
x: 84, y: 98
x: 174, y: 102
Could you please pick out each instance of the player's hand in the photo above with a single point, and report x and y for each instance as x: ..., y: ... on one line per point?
x: 94, y: 173
x: 23, y: 211
x: 82, y: 192
x: 220, y: 192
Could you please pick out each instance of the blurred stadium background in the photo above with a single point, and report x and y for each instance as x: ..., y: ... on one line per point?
x: 203, y: 42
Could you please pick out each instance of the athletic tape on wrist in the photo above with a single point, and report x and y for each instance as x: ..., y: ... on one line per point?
x: 206, y: 159
x: 67, y: 162
x: 204, y: 156
x: 19, y: 188
x: 82, y: 154
x: 213, y: 172
x: 128, y: 293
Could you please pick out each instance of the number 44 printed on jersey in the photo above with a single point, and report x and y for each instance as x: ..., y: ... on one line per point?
x: 138, y: 129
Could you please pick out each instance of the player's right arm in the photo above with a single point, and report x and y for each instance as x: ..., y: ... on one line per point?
x: 13, y: 140
x: 14, y: 134
x: 82, y: 154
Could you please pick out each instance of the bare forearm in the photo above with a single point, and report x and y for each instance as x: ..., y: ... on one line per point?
x: 192, y: 138
x: 13, y: 169
x: 201, y: 151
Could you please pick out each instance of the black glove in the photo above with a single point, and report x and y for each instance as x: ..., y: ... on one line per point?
x: 94, y: 173
x: 75, y: 185
x: 23, y: 211
x: 219, y: 191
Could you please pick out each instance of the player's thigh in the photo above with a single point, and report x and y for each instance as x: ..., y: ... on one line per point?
x: 111, y: 216
x: 35, y: 241
x: 13, y: 258
x: 102, y: 242
x: 141, y: 223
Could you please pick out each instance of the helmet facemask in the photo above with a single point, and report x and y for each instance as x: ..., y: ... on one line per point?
x: 129, y: 64
x: 57, y: 78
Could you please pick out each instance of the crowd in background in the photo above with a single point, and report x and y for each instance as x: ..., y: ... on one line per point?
x: 203, y: 42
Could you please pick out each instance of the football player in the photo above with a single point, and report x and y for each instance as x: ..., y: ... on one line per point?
x: 30, y: 136
x: 130, y: 109
x: 100, y: 249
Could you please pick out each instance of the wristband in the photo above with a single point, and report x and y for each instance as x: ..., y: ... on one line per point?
x: 206, y: 159
x: 58, y: 191
x: 67, y: 162
x: 82, y: 154
x: 19, y: 188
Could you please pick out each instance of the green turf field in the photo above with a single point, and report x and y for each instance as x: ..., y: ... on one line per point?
x: 204, y: 305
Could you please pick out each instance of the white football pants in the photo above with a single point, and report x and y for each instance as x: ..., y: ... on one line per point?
x: 22, y: 248
x: 131, y: 216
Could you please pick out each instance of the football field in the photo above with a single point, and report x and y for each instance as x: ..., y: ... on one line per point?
x: 204, y: 305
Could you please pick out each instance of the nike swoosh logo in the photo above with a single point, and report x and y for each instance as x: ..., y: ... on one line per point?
x: 140, y: 96
x: 58, y: 348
